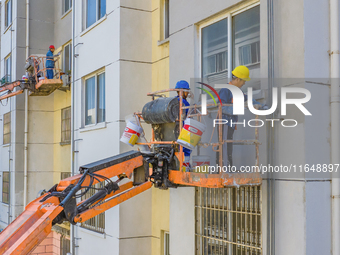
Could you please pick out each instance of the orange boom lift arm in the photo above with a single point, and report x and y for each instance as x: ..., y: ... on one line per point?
x: 59, y: 203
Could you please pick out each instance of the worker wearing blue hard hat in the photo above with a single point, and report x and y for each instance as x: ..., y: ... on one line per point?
x: 184, y: 85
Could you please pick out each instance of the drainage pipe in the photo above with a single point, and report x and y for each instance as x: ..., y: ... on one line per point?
x: 72, y: 114
x: 270, y: 134
x: 26, y: 109
x: 335, y: 126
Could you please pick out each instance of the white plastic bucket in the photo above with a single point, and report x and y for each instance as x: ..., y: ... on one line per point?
x: 200, y: 164
x: 41, y: 78
x: 191, y: 133
x: 131, y: 134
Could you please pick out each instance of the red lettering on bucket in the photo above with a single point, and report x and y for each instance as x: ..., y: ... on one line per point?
x: 131, y: 131
x: 193, y: 130
x: 201, y: 163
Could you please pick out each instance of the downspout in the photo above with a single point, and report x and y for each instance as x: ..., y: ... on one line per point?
x: 26, y: 107
x: 72, y: 115
x: 335, y: 127
x: 270, y: 134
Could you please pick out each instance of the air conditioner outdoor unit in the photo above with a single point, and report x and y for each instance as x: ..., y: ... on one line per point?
x: 66, y: 80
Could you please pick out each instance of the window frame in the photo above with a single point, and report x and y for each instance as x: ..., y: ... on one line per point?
x: 164, y: 20
x: 98, y: 18
x: 65, y: 142
x: 64, y: 5
x: 8, y: 57
x: 69, y: 44
x: 229, y: 16
x: 166, y: 242
x: 95, y: 75
x: 3, y: 128
x: 3, y: 181
x: 6, y: 14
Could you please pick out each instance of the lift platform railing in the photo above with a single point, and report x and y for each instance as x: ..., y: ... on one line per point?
x: 40, y: 61
x: 36, y: 69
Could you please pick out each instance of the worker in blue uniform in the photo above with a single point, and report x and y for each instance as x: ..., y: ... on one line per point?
x: 184, y: 85
x: 50, y: 62
x: 240, y: 76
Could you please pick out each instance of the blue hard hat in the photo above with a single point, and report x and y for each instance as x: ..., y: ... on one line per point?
x: 182, y: 85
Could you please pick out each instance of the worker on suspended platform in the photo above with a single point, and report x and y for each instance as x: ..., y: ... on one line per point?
x: 50, y: 62
x: 239, y: 78
x: 184, y: 85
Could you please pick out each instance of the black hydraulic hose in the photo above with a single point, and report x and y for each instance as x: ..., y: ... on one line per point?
x: 98, y: 196
x: 75, y: 189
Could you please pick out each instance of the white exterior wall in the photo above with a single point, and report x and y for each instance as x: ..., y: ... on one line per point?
x: 120, y: 43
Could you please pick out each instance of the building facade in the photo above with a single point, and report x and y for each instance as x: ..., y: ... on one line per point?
x: 115, y: 52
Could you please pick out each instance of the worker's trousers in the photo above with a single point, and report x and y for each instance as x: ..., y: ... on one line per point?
x: 49, y: 74
x: 227, y: 148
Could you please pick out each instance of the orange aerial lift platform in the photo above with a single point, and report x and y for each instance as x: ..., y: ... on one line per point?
x: 34, y: 81
x: 125, y: 176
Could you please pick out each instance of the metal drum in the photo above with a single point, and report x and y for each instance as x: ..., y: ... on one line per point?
x: 161, y: 110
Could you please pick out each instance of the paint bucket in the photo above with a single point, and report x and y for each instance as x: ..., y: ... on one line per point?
x: 200, y: 164
x: 25, y: 78
x: 131, y: 134
x: 41, y: 78
x: 191, y: 133
x: 186, y: 164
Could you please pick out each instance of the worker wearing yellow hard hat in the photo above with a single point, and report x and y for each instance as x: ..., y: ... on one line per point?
x: 240, y: 76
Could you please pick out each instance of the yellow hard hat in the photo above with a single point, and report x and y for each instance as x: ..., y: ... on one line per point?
x: 241, y: 72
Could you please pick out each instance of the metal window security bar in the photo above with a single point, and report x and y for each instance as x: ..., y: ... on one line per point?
x: 96, y: 223
x: 228, y: 221
x: 5, y: 187
x: 65, y: 126
x: 7, y: 128
x: 65, y: 244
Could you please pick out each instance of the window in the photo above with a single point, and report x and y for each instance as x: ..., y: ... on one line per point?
x: 67, y: 5
x: 65, y: 245
x: 215, y: 48
x: 8, y: 69
x: 228, y: 220
x: 166, y: 243
x: 5, y: 187
x: 246, y: 26
x: 67, y: 56
x: 165, y: 15
x: 249, y: 54
x: 7, y: 128
x: 95, y: 99
x: 8, y: 13
x: 64, y: 175
x: 244, y: 38
x: 66, y: 125
x: 95, y: 10
x: 96, y: 223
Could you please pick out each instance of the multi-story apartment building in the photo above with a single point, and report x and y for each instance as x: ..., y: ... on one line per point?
x: 116, y: 52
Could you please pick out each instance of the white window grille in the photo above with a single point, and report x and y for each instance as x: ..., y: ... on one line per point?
x: 228, y: 221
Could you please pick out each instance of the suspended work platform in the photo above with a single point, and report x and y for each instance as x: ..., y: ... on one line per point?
x: 35, y: 80
x: 46, y: 87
